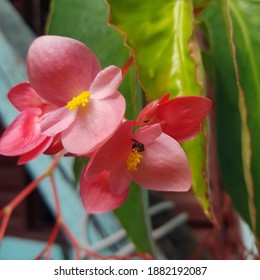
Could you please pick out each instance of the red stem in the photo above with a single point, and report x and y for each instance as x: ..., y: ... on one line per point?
x: 2, y: 212
x: 52, y: 238
x: 24, y: 193
x: 72, y: 239
x: 4, y: 224
x: 27, y: 190
x: 127, y: 65
x: 56, y: 197
x: 56, y: 227
x: 8, y: 209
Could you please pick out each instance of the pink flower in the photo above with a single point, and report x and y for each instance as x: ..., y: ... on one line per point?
x: 23, y: 137
x: 149, y: 157
x: 179, y: 117
x: 66, y: 73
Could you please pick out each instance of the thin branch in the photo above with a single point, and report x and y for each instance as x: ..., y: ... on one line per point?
x: 52, y: 238
x: 127, y: 65
x: 24, y: 193
x: 8, y: 209
x: 56, y: 197
x: 4, y: 225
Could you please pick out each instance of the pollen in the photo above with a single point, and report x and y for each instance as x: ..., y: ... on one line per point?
x: 133, y: 160
x: 82, y: 99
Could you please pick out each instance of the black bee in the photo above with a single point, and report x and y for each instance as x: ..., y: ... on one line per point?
x: 137, y: 146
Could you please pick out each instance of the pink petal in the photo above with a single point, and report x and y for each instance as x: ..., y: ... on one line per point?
x: 60, y: 68
x: 23, y: 96
x: 113, y: 152
x: 106, y: 82
x: 57, y: 121
x: 148, y: 134
x: 183, y: 116
x: 164, y: 166
x: 96, y: 195
x: 37, y: 151
x: 94, y: 124
x: 120, y: 178
x: 23, y: 134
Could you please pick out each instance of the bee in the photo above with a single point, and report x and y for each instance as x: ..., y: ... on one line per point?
x: 137, y: 146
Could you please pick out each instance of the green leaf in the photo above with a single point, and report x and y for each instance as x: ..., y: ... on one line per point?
x: 201, y: 3
x: 136, y: 206
x: 87, y: 22
x: 161, y: 36
x: 196, y: 152
x: 234, y: 35
x: 78, y: 165
x: 158, y: 32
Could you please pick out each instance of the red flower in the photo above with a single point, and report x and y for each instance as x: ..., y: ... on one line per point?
x: 149, y: 157
x: 179, y: 117
x: 23, y: 137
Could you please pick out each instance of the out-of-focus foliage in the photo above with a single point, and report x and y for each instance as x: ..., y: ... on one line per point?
x: 158, y: 33
x: 233, y: 32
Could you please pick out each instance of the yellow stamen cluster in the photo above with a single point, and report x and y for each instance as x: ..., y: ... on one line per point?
x: 82, y: 99
x: 133, y: 160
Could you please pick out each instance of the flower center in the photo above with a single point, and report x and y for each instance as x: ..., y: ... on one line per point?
x: 133, y: 160
x: 82, y: 99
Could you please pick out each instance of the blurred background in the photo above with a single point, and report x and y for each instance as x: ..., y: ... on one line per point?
x: 189, y: 235
x: 34, y: 13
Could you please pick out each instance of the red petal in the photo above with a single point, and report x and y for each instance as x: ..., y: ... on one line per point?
x: 120, y: 178
x: 183, y: 116
x: 23, y: 135
x: 23, y: 96
x: 164, y: 166
x: 148, y: 134
x: 97, y: 196
x: 148, y: 114
x: 113, y: 152
x: 37, y: 151
x: 55, y: 147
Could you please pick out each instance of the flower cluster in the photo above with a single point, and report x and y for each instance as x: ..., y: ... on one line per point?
x: 71, y: 104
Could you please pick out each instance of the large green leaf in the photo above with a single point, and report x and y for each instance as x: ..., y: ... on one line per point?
x: 87, y: 22
x: 160, y: 34
x: 137, y: 205
x: 234, y: 35
x: 201, y: 3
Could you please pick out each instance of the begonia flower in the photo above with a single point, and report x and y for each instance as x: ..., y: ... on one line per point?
x: 23, y: 137
x: 66, y: 73
x: 149, y: 157
x: 180, y: 117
